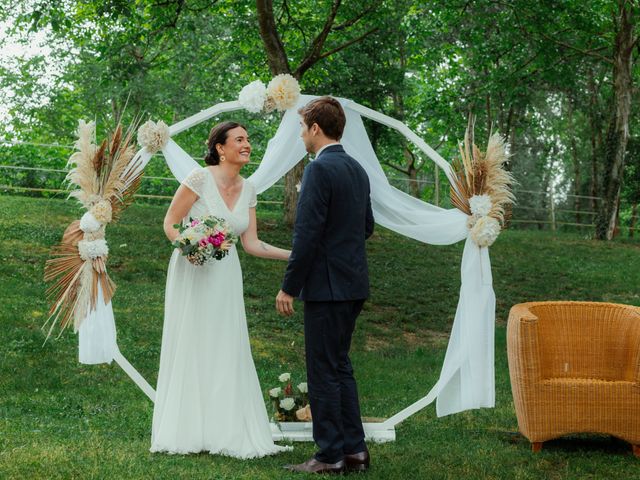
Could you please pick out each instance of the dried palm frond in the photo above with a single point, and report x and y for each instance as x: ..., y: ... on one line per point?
x: 105, y: 173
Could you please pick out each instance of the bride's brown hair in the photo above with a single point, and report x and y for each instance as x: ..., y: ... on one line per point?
x: 218, y: 135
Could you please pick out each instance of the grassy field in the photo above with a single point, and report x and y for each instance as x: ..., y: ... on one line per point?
x: 60, y: 419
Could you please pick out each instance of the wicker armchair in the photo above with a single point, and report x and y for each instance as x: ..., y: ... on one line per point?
x: 575, y: 367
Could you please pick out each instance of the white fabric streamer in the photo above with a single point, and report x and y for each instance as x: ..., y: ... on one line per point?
x: 97, y: 334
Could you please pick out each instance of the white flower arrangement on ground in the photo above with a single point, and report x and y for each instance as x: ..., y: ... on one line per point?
x: 290, y: 405
x: 482, y: 188
x: 281, y: 94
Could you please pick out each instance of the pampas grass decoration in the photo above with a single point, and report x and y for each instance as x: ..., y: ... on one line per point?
x: 482, y: 173
x: 101, y: 174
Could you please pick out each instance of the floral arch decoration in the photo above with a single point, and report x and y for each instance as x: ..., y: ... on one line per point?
x: 479, y: 189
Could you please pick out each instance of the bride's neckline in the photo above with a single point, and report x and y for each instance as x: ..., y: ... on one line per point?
x: 224, y: 202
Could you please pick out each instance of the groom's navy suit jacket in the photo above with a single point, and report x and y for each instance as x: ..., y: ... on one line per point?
x: 328, y: 260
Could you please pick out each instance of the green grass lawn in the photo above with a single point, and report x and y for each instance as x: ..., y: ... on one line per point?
x: 60, y: 419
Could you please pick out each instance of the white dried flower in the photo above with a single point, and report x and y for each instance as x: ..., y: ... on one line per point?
x: 485, y: 231
x: 285, y: 377
x: 92, y: 250
x: 284, y: 90
x: 480, y: 205
x: 89, y: 223
x: 253, y: 96
x: 303, y: 387
x: 153, y: 136
x: 275, y: 392
x: 287, y: 403
x: 101, y: 211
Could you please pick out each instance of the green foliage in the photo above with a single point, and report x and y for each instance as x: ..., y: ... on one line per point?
x: 518, y: 66
x: 60, y: 419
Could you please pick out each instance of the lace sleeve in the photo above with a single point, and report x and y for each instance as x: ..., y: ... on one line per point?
x: 253, y: 199
x: 195, y: 180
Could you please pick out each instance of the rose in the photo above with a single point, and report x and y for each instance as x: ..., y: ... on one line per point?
x: 275, y: 392
x: 89, y: 223
x: 101, y: 211
x: 285, y: 377
x: 153, y: 136
x: 284, y: 91
x: 287, y: 403
x: 253, y: 96
x: 90, y: 250
x: 195, y: 222
x: 303, y: 387
x: 480, y: 205
x: 485, y: 231
x: 216, y: 240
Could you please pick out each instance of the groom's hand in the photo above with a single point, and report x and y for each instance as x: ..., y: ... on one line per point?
x: 284, y: 303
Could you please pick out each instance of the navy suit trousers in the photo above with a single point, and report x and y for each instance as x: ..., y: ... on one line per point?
x: 333, y: 394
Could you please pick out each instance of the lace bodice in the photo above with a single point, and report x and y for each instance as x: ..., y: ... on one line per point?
x: 210, y: 202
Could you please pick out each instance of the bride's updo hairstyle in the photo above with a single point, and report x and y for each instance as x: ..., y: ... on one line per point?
x: 218, y: 135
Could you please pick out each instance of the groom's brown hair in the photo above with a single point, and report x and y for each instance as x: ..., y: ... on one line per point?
x: 327, y: 113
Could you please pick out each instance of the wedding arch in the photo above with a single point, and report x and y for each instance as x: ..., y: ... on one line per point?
x: 467, y: 377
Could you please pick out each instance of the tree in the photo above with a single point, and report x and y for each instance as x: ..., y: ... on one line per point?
x: 278, y: 58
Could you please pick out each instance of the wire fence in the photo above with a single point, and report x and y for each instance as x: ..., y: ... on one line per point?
x: 22, y: 174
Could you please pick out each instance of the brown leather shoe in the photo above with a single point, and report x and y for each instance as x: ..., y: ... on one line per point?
x: 314, y: 466
x: 357, y: 462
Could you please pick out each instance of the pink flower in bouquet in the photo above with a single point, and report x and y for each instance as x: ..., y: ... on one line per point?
x: 217, y: 239
x: 195, y: 222
x: 202, y: 242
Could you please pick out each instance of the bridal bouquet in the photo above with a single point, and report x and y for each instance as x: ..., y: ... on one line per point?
x: 204, y: 239
x: 290, y: 405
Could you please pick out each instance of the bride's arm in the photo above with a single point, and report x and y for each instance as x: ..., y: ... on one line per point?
x: 181, y: 203
x: 256, y: 247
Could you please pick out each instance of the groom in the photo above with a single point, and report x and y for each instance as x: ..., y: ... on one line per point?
x: 328, y: 270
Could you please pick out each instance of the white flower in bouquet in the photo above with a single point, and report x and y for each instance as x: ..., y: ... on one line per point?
x: 101, y: 211
x: 89, y: 223
x: 302, y: 387
x: 153, y: 136
x: 287, y: 403
x: 284, y: 90
x: 285, y: 377
x: 485, y: 231
x: 480, y: 205
x: 92, y: 250
x: 253, y: 96
x: 275, y: 392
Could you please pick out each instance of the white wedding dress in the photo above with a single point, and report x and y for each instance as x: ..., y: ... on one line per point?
x: 208, y: 395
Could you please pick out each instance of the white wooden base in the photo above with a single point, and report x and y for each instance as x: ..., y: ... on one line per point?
x: 302, y: 432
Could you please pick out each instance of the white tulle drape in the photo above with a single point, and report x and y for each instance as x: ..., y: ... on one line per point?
x: 97, y: 334
x: 467, y: 376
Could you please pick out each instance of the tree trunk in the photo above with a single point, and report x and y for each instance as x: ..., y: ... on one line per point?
x: 279, y: 63
x: 618, y: 133
x: 576, y: 160
x: 596, y: 142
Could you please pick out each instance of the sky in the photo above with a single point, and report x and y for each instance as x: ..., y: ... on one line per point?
x: 12, y: 50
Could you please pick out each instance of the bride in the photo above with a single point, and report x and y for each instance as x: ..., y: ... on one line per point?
x: 208, y: 396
